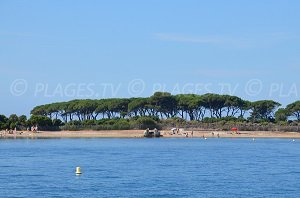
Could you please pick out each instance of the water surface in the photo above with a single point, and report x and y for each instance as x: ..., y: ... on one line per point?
x: 150, y: 168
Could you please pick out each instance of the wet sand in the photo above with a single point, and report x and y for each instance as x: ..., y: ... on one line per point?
x: 139, y: 134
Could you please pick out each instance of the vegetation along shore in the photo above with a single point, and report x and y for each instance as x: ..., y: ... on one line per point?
x: 208, y: 112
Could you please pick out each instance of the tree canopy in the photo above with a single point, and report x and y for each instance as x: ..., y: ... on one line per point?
x: 123, y: 113
x: 162, y: 105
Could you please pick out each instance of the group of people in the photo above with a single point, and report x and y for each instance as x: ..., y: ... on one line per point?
x: 213, y: 134
x: 187, y: 134
x: 33, y: 128
x: 176, y: 131
x: 9, y: 131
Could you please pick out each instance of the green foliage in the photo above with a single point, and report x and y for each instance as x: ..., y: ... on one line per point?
x: 13, y: 121
x: 41, y: 121
x: 146, y: 122
x: 281, y: 115
x: 293, y: 109
x: 164, y: 103
x: 224, y: 120
x: 162, y: 108
x: 137, y: 106
x: 103, y: 124
x: 263, y: 110
x: 190, y: 105
x: 57, y: 122
x: 122, y: 124
x: 3, y: 122
x: 160, y: 104
x: 178, y: 121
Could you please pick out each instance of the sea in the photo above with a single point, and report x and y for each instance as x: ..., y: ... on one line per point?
x: 158, y: 167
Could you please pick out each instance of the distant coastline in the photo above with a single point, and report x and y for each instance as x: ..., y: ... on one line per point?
x: 139, y: 134
x: 163, y: 111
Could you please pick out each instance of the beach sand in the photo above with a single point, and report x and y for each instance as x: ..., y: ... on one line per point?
x: 139, y: 134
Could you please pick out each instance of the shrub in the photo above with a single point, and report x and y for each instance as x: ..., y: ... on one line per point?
x: 57, y: 122
x: 145, y: 122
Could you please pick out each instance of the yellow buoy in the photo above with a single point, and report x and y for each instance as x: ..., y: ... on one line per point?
x: 78, y: 170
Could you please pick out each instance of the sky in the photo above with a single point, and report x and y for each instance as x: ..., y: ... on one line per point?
x: 60, y: 50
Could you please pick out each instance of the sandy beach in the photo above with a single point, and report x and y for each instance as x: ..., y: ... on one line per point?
x: 139, y: 134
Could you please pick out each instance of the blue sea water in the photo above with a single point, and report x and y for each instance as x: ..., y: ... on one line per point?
x: 150, y: 168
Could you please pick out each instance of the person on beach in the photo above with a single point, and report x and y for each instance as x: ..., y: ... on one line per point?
x: 213, y: 134
x: 173, y: 131
x: 192, y: 134
x: 218, y: 135
x: 3, y: 133
x: 187, y: 134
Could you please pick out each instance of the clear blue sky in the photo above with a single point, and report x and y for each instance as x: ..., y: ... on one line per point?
x: 56, y: 47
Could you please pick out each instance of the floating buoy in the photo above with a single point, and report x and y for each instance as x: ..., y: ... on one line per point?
x: 205, y: 138
x: 293, y: 140
x: 253, y: 139
x: 78, y: 170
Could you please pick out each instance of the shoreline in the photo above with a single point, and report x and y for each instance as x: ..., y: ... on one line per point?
x: 139, y: 134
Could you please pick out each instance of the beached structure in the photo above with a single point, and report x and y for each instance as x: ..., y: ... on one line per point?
x: 148, y: 133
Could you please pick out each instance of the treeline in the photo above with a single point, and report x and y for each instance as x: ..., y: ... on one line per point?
x: 22, y: 123
x: 161, y: 109
x: 163, y: 105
